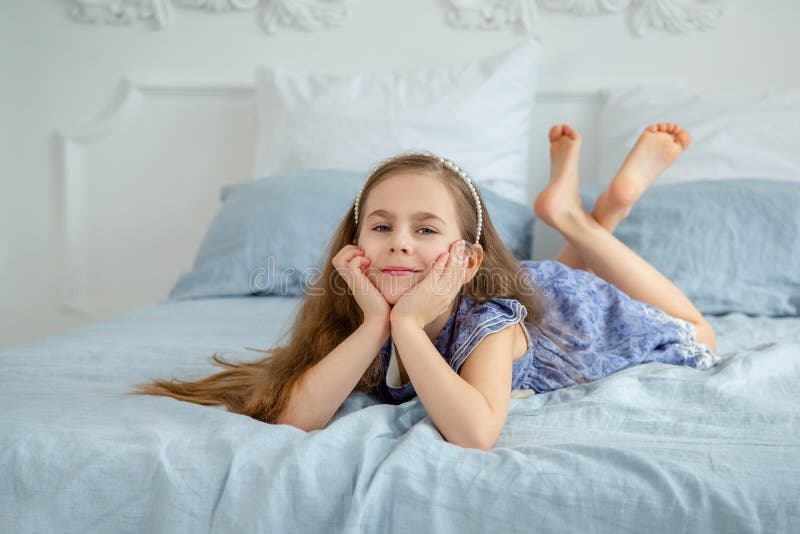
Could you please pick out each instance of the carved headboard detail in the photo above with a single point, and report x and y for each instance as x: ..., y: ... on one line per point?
x: 676, y: 16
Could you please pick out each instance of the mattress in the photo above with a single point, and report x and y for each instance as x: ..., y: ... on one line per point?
x: 655, y: 447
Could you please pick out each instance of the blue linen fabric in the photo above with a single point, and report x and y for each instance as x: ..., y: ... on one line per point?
x: 271, y: 235
x: 729, y: 245
x: 654, y: 448
x: 601, y: 329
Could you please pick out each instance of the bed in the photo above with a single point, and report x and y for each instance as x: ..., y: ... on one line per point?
x: 655, y: 448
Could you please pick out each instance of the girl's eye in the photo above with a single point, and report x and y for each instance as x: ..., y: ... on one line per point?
x: 427, y: 231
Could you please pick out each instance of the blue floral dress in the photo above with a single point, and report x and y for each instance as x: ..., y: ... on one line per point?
x: 605, y: 330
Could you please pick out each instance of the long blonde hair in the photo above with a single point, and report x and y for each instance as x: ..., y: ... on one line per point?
x: 329, y: 313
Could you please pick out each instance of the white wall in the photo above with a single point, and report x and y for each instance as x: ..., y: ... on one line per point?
x: 59, y: 74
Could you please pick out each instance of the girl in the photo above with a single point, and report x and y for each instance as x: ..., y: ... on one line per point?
x: 419, y: 297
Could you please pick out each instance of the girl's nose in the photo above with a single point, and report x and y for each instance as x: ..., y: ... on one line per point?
x: 399, y: 243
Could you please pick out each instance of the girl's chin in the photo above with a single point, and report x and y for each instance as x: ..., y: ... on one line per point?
x: 394, y: 288
x: 392, y: 296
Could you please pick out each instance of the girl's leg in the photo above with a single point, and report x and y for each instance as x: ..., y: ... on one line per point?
x: 615, y: 203
x: 565, y: 144
x: 559, y: 205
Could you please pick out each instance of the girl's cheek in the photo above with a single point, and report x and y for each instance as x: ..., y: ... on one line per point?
x: 435, y: 256
x: 372, y: 277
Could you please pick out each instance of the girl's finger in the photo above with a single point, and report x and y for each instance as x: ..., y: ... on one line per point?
x: 355, y: 263
x: 456, y: 253
x: 346, y: 254
x: 360, y: 263
x: 362, y: 283
x: 352, y: 253
x: 462, y: 269
x: 442, y: 262
x: 460, y: 264
x: 352, y: 274
x: 345, y: 262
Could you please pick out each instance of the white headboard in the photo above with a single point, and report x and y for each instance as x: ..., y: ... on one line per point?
x: 140, y: 183
x: 161, y: 151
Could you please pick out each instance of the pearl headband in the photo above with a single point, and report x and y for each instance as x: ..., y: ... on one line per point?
x: 447, y: 163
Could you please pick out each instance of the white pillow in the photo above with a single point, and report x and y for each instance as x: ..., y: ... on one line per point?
x: 735, y: 133
x: 478, y: 115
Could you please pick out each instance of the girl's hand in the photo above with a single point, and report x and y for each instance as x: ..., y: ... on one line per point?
x: 352, y: 264
x: 432, y: 296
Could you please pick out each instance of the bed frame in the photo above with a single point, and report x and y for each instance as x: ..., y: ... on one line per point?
x: 156, y: 158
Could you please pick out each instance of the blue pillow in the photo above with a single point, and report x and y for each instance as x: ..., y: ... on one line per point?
x: 729, y: 245
x: 271, y: 235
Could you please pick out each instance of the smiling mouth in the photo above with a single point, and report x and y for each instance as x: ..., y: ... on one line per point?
x: 398, y: 272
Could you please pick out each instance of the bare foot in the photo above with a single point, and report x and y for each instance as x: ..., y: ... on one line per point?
x: 655, y: 150
x: 561, y: 195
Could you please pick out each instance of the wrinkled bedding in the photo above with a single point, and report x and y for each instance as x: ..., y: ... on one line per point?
x: 655, y: 448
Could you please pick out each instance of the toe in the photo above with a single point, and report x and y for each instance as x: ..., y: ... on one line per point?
x: 683, y: 137
x: 555, y: 133
x: 571, y: 132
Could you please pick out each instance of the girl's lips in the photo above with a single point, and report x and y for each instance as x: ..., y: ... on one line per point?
x: 398, y: 272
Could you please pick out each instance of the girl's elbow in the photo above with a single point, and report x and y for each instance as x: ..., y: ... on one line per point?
x: 486, y: 434
x: 488, y: 443
x: 464, y: 444
x: 705, y: 335
x: 482, y: 442
x: 305, y: 426
x: 485, y: 444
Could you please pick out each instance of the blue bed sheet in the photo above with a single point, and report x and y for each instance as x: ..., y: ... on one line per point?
x: 655, y: 448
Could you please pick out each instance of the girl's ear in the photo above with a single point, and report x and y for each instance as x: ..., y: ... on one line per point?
x: 474, y: 262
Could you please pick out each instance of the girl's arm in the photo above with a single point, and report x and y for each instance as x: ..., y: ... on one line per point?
x: 325, y: 386
x: 468, y: 410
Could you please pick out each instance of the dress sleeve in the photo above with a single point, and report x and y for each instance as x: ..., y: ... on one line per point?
x: 483, y: 319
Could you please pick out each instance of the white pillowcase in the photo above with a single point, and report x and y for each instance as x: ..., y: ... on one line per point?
x: 478, y: 115
x: 735, y: 133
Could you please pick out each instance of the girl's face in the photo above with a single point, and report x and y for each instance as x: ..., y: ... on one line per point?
x: 408, y: 220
